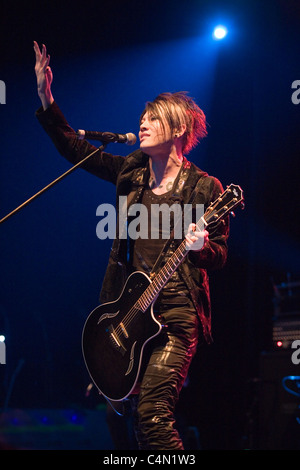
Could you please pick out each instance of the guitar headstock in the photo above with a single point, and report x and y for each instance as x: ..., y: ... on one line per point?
x: 231, y: 198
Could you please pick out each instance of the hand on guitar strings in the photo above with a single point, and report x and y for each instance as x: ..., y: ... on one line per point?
x: 195, y: 238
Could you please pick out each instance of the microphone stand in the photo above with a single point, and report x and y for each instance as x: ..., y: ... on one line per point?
x: 17, y: 209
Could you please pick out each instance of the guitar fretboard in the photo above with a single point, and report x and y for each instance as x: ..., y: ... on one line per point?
x: 164, y: 274
x: 162, y: 277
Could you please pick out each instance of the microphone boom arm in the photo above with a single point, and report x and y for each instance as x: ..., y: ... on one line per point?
x: 57, y: 180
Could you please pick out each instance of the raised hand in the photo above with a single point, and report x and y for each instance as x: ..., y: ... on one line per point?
x: 44, y: 75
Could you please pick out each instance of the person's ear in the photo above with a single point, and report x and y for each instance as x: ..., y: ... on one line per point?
x: 179, y: 132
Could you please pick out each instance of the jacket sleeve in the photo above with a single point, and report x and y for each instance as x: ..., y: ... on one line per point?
x: 214, y: 254
x: 104, y: 165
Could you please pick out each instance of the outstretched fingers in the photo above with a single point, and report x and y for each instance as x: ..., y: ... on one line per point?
x: 36, y: 49
x: 42, y: 59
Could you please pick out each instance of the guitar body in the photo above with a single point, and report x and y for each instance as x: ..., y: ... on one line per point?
x: 113, y: 339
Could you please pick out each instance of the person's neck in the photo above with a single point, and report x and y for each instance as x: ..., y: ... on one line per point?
x: 162, y: 168
x: 163, y: 172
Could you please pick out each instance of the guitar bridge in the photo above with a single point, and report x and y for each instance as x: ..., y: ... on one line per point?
x: 115, y: 340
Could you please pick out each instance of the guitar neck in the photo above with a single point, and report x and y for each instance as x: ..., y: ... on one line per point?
x: 162, y: 277
x: 164, y: 274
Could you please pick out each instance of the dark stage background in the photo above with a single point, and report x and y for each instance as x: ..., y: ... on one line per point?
x: 108, y: 59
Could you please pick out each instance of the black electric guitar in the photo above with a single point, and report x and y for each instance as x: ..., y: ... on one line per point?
x: 115, y: 333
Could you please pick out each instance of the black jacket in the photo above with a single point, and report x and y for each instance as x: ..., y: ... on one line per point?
x: 130, y: 175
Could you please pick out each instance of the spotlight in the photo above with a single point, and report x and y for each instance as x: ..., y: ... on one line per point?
x: 219, y: 32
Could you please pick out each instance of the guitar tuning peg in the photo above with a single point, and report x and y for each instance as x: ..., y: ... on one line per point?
x: 232, y: 214
x: 242, y: 205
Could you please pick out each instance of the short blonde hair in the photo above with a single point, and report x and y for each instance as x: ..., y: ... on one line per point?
x: 179, y: 109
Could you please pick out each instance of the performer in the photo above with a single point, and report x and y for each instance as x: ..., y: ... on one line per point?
x: 158, y: 172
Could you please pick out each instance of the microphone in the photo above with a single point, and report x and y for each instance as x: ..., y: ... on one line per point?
x: 107, y: 137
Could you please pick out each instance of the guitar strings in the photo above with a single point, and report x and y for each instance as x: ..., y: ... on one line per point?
x: 154, y: 288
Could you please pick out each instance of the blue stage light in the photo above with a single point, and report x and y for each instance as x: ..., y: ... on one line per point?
x: 219, y: 32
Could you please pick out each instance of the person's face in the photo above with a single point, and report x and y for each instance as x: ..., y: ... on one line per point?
x: 153, y: 136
